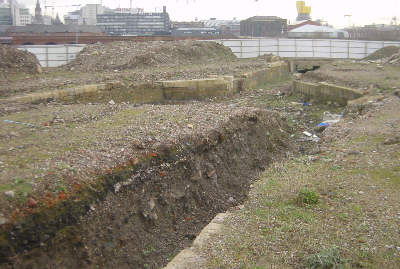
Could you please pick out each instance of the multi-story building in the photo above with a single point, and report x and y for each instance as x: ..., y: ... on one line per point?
x: 89, y: 13
x: 263, y: 26
x: 25, y: 17
x: 5, y: 15
x: 225, y: 27
x: 134, y: 22
x: 9, y: 13
x: 73, y: 17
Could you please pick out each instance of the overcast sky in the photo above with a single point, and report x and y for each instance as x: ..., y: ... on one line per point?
x: 362, y: 11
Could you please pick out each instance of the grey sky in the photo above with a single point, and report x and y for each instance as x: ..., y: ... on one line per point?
x: 362, y: 11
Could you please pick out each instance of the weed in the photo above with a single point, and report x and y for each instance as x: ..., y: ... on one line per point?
x: 308, y: 197
x: 326, y: 259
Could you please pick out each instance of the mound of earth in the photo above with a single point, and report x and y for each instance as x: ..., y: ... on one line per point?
x: 131, y: 55
x: 389, y: 54
x: 14, y: 61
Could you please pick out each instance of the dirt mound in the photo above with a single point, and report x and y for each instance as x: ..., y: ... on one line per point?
x: 132, y: 55
x: 13, y: 61
x: 389, y: 54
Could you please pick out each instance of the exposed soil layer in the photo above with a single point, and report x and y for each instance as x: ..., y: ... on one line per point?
x: 13, y: 60
x: 144, y: 212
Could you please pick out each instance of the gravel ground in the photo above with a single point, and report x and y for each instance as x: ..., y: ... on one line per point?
x: 118, y: 61
x: 355, y: 224
x: 71, y: 144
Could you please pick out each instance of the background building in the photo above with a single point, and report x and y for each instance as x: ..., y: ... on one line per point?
x: 89, y: 13
x: 73, y: 17
x: 304, y: 12
x: 38, y: 19
x: 133, y: 22
x: 263, y: 26
x: 25, y: 17
x: 225, y: 27
x: 196, y: 32
x: 379, y: 32
x: 5, y: 15
x: 317, y: 32
x: 9, y: 13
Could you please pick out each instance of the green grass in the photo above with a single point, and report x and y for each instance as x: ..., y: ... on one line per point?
x: 326, y: 259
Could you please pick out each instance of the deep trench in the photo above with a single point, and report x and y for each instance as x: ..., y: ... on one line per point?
x: 148, y: 214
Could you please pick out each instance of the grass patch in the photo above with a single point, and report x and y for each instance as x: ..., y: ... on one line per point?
x: 326, y: 259
x: 307, y: 196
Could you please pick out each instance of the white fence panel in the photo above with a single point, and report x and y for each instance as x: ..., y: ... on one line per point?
x: 306, y: 48
x: 57, y: 55
x: 54, y: 55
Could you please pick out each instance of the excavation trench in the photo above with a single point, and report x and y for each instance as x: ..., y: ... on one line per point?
x: 141, y: 215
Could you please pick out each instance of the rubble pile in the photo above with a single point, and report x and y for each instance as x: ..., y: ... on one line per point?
x: 387, y: 55
x: 14, y: 61
x: 122, y: 55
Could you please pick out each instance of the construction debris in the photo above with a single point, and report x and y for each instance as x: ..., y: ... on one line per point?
x: 387, y: 55
x: 13, y: 60
x: 122, y: 55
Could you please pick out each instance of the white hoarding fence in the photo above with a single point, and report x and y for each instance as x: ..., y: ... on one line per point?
x: 54, y: 55
x: 57, y: 55
x: 305, y: 48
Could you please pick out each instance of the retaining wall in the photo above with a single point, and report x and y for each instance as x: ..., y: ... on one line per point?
x: 162, y: 91
x: 325, y: 92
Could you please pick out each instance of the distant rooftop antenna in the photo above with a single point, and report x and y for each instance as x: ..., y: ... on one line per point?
x: 131, y: 4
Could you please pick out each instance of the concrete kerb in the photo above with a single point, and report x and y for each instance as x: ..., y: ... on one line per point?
x: 189, y: 258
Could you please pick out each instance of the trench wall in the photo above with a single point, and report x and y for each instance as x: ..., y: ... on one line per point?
x: 140, y: 215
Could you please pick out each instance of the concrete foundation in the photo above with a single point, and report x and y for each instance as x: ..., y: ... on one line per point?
x: 324, y: 92
x: 162, y: 91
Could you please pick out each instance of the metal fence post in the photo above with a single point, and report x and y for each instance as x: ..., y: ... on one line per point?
x: 313, y: 50
x: 259, y: 47
x: 278, y: 48
x: 67, y: 51
x: 348, y: 49
x: 47, y: 56
x: 241, y: 49
x: 365, y: 49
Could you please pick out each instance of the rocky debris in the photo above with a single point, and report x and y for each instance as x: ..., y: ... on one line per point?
x: 32, y: 203
x: 10, y: 194
x: 392, y: 140
x: 117, y: 56
x: 13, y: 60
x: 3, y: 220
x: 387, y: 55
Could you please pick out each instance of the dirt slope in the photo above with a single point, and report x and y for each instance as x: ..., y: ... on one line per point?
x: 385, y: 55
x: 13, y: 60
x: 132, y: 55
